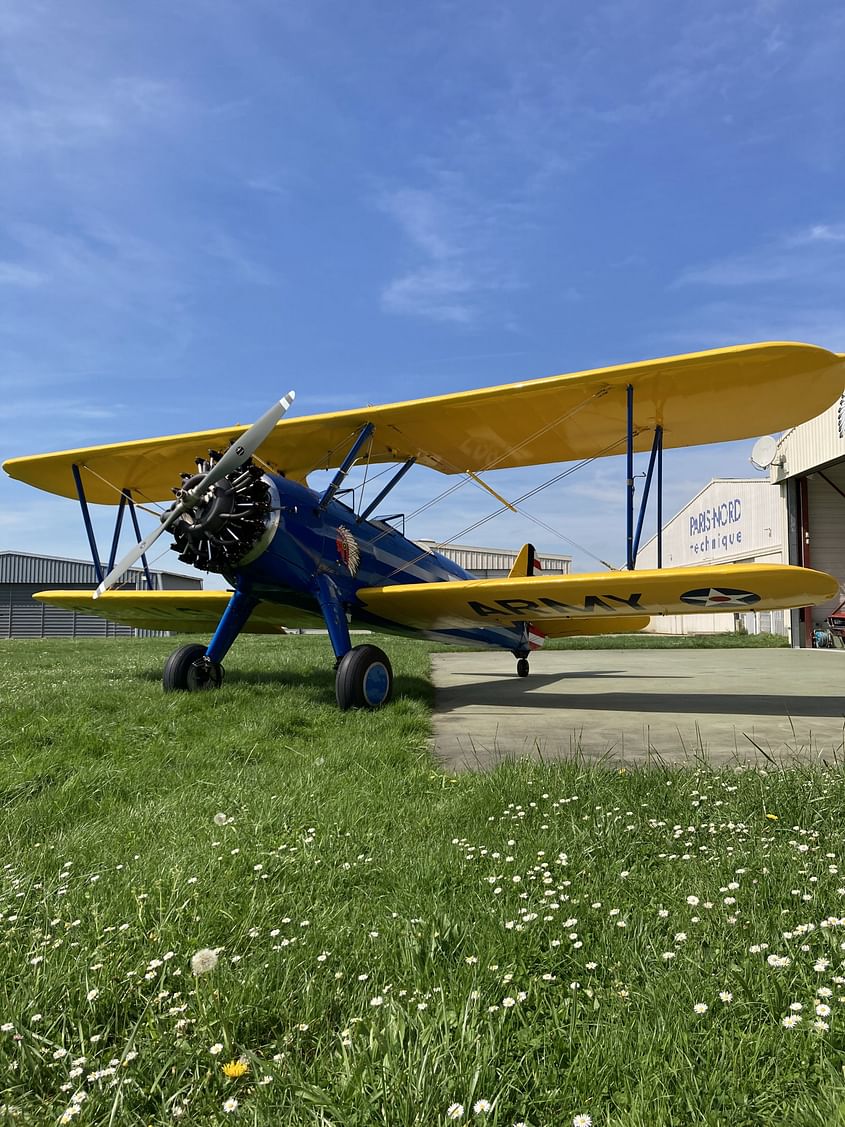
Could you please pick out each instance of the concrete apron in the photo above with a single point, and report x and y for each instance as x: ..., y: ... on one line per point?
x: 639, y: 706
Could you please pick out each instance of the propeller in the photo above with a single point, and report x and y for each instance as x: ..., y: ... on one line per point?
x: 238, y: 453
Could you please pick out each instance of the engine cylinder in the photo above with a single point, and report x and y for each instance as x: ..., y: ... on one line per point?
x: 229, y: 519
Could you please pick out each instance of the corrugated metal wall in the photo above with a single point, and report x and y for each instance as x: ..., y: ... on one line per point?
x: 811, y: 444
x: 494, y: 563
x: 48, y: 571
x: 21, y: 575
x: 22, y: 617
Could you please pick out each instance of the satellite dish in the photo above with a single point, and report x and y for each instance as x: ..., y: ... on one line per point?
x: 764, y: 452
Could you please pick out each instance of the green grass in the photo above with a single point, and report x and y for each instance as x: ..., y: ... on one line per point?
x: 352, y: 870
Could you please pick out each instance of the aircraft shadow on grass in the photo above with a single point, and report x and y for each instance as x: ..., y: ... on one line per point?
x: 320, y: 683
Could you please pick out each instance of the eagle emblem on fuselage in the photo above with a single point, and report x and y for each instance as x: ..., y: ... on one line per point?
x: 348, y: 551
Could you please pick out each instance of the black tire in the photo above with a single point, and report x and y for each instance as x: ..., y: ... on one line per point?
x: 364, y: 678
x: 522, y: 668
x: 186, y: 671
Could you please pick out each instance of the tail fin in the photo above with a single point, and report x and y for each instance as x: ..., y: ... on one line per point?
x: 526, y: 564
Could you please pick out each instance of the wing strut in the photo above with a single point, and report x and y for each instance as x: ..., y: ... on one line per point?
x: 86, y: 518
x: 345, y: 466
x: 125, y: 499
x: 656, y: 459
x: 397, y: 477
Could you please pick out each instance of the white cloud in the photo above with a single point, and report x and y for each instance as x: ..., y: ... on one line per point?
x: 808, y: 260
x: 827, y: 233
x: 427, y: 220
x: 454, y: 233
x: 440, y: 292
x: 14, y: 274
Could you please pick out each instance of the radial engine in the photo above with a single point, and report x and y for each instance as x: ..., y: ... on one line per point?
x: 229, y: 520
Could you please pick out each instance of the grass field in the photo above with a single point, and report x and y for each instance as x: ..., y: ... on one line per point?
x: 381, y: 944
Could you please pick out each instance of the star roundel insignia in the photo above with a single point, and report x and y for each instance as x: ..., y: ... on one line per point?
x: 347, y: 549
x: 722, y: 598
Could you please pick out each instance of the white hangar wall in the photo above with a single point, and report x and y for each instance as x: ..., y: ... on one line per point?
x: 729, y: 521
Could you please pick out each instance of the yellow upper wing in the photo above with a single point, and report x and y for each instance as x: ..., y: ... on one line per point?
x: 703, y: 397
x: 594, y: 597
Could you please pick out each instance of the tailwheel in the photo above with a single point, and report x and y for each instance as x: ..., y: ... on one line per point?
x: 522, y: 669
x: 364, y: 678
x: 189, y: 670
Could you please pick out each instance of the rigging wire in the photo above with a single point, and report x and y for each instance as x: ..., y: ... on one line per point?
x: 524, y: 497
x: 156, y: 512
x: 511, y: 450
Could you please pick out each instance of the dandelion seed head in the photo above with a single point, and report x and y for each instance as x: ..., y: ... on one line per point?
x: 204, y: 961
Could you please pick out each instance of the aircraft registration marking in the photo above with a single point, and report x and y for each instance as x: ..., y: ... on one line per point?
x: 553, y: 608
x: 722, y: 597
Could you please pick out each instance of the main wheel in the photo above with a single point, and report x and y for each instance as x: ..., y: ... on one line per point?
x: 189, y: 670
x: 364, y: 678
x: 522, y: 667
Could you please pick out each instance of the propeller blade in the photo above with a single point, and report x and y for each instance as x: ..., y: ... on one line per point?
x: 238, y: 453
x: 135, y: 553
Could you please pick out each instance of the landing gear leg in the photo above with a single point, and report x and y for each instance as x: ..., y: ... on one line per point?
x: 364, y: 678
x: 194, y: 667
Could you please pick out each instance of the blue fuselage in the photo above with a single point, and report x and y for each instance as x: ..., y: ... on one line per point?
x: 305, y: 541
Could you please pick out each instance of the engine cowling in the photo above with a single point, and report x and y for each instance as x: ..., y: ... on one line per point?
x: 229, y: 520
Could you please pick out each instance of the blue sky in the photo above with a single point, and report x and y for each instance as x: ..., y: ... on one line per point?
x: 205, y: 204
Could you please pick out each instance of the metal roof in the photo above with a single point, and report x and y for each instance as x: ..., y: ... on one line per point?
x: 25, y: 567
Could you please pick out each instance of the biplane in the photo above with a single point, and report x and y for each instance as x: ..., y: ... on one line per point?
x: 295, y: 556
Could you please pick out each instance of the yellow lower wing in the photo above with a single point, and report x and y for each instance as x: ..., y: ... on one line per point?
x: 581, y: 627
x: 186, y: 612
x: 594, y: 598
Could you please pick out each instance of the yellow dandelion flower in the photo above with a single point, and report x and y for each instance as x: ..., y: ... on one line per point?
x: 236, y: 1068
x: 773, y: 817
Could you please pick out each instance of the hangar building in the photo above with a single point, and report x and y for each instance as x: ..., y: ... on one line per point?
x: 495, y: 563
x: 22, y: 574
x: 796, y: 515
x: 729, y: 521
